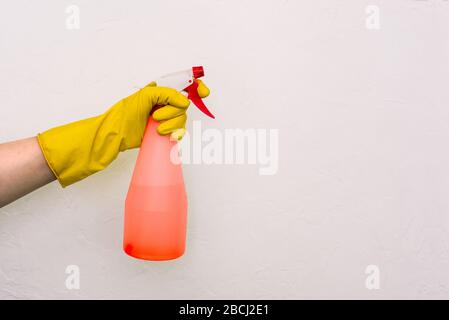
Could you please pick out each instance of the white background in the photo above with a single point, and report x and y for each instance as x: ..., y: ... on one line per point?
x: 363, y: 119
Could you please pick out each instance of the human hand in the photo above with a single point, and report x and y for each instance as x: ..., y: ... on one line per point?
x: 79, y: 149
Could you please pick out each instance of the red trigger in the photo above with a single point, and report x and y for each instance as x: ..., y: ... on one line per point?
x: 192, y: 94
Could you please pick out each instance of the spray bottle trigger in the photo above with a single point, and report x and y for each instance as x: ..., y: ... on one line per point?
x: 192, y: 94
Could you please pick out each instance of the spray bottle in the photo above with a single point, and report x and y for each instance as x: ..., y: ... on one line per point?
x: 156, y: 203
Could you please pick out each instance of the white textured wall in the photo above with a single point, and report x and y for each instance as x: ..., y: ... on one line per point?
x: 363, y: 119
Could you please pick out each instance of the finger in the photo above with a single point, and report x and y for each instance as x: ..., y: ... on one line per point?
x: 171, y: 125
x: 178, y: 134
x: 167, y: 112
x: 203, y: 90
x: 163, y: 96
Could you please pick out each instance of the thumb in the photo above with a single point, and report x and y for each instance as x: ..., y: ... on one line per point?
x: 166, y: 96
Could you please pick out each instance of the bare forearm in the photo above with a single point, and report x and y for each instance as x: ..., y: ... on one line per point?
x: 22, y: 169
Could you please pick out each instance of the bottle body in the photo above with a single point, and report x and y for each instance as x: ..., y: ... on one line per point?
x: 156, y: 203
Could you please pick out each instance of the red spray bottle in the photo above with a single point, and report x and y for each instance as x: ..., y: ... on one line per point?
x: 156, y: 203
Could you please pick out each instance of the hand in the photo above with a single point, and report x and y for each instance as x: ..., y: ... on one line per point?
x: 172, y: 118
x: 77, y: 150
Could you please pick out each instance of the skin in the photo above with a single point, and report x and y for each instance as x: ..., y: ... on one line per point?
x: 22, y: 169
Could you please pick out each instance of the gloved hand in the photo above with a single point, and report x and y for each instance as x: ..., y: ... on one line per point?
x: 79, y: 149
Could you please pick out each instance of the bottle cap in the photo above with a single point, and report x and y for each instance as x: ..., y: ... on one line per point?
x: 198, y: 72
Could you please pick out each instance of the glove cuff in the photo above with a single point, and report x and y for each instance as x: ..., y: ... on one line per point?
x: 79, y: 149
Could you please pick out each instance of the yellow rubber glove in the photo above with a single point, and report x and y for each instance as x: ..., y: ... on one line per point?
x: 79, y: 149
x: 172, y: 118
